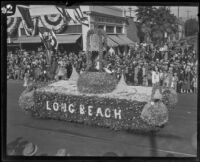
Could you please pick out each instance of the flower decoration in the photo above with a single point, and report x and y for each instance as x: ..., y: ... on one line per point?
x: 96, y: 82
x: 155, y: 114
x: 57, y: 22
x: 130, y: 115
x: 170, y: 98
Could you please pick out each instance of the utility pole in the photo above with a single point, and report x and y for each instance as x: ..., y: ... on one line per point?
x: 178, y: 12
x: 130, y: 9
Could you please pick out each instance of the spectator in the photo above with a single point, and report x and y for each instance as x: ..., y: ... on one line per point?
x: 194, y: 81
x: 137, y: 65
x: 174, y: 81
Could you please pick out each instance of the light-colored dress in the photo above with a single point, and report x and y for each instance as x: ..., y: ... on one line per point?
x: 26, y: 80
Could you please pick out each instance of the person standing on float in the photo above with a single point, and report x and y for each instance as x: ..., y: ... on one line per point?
x: 155, y: 81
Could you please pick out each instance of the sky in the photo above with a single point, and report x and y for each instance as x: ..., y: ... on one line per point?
x: 193, y: 11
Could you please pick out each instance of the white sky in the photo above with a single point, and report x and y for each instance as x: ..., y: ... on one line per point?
x: 193, y: 11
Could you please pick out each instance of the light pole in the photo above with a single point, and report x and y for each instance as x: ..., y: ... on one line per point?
x: 178, y: 12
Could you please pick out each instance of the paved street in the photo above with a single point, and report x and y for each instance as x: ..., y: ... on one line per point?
x: 81, y: 140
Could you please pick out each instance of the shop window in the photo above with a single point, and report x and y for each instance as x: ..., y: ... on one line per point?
x: 119, y: 29
x: 110, y: 29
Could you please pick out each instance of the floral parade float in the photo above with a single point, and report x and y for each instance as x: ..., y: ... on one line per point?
x: 97, y: 98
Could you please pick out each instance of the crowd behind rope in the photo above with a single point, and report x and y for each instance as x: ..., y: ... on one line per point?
x: 175, y: 67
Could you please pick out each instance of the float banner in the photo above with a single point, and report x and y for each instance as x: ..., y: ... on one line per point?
x: 91, y: 110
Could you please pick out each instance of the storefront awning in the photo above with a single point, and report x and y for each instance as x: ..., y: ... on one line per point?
x: 126, y: 39
x: 26, y: 40
x: 111, y: 43
x: 68, y: 38
x: 117, y: 40
x: 60, y: 39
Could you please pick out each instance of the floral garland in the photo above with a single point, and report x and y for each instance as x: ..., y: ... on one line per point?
x: 56, y: 23
x: 12, y: 24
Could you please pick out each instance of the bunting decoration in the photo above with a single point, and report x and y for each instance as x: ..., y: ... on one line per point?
x: 12, y: 24
x: 55, y: 22
x: 33, y: 32
x: 27, y: 20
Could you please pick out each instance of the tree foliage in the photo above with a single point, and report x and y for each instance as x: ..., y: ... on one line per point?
x: 156, y: 21
x: 191, y: 27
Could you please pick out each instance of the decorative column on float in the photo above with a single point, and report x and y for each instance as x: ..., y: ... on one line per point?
x: 96, y: 41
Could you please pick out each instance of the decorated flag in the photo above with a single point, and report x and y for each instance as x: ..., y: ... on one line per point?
x: 80, y: 17
x: 74, y: 13
x: 31, y: 32
x: 26, y: 20
x: 65, y: 14
x: 48, y: 37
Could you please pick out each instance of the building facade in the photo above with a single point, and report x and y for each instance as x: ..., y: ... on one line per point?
x: 110, y: 19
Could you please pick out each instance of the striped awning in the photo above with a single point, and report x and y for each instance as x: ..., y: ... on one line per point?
x: 126, y: 39
x: 60, y: 38
x: 68, y: 38
x: 26, y: 40
x: 111, y: 43
x: 117, y: 40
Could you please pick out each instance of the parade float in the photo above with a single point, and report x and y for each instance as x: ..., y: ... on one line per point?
x: 98, y: 98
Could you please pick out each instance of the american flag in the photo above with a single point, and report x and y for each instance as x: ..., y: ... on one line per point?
x: 48, y: 37
x: 74, y: 13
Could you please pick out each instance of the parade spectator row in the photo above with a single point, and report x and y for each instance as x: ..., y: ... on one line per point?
x: 143, y: 65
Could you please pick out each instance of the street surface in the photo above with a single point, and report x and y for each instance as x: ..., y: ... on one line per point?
x: 175, y: 139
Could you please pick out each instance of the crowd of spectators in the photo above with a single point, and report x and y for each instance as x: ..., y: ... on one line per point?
x: 172, y: 66
x: 144, y: 65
